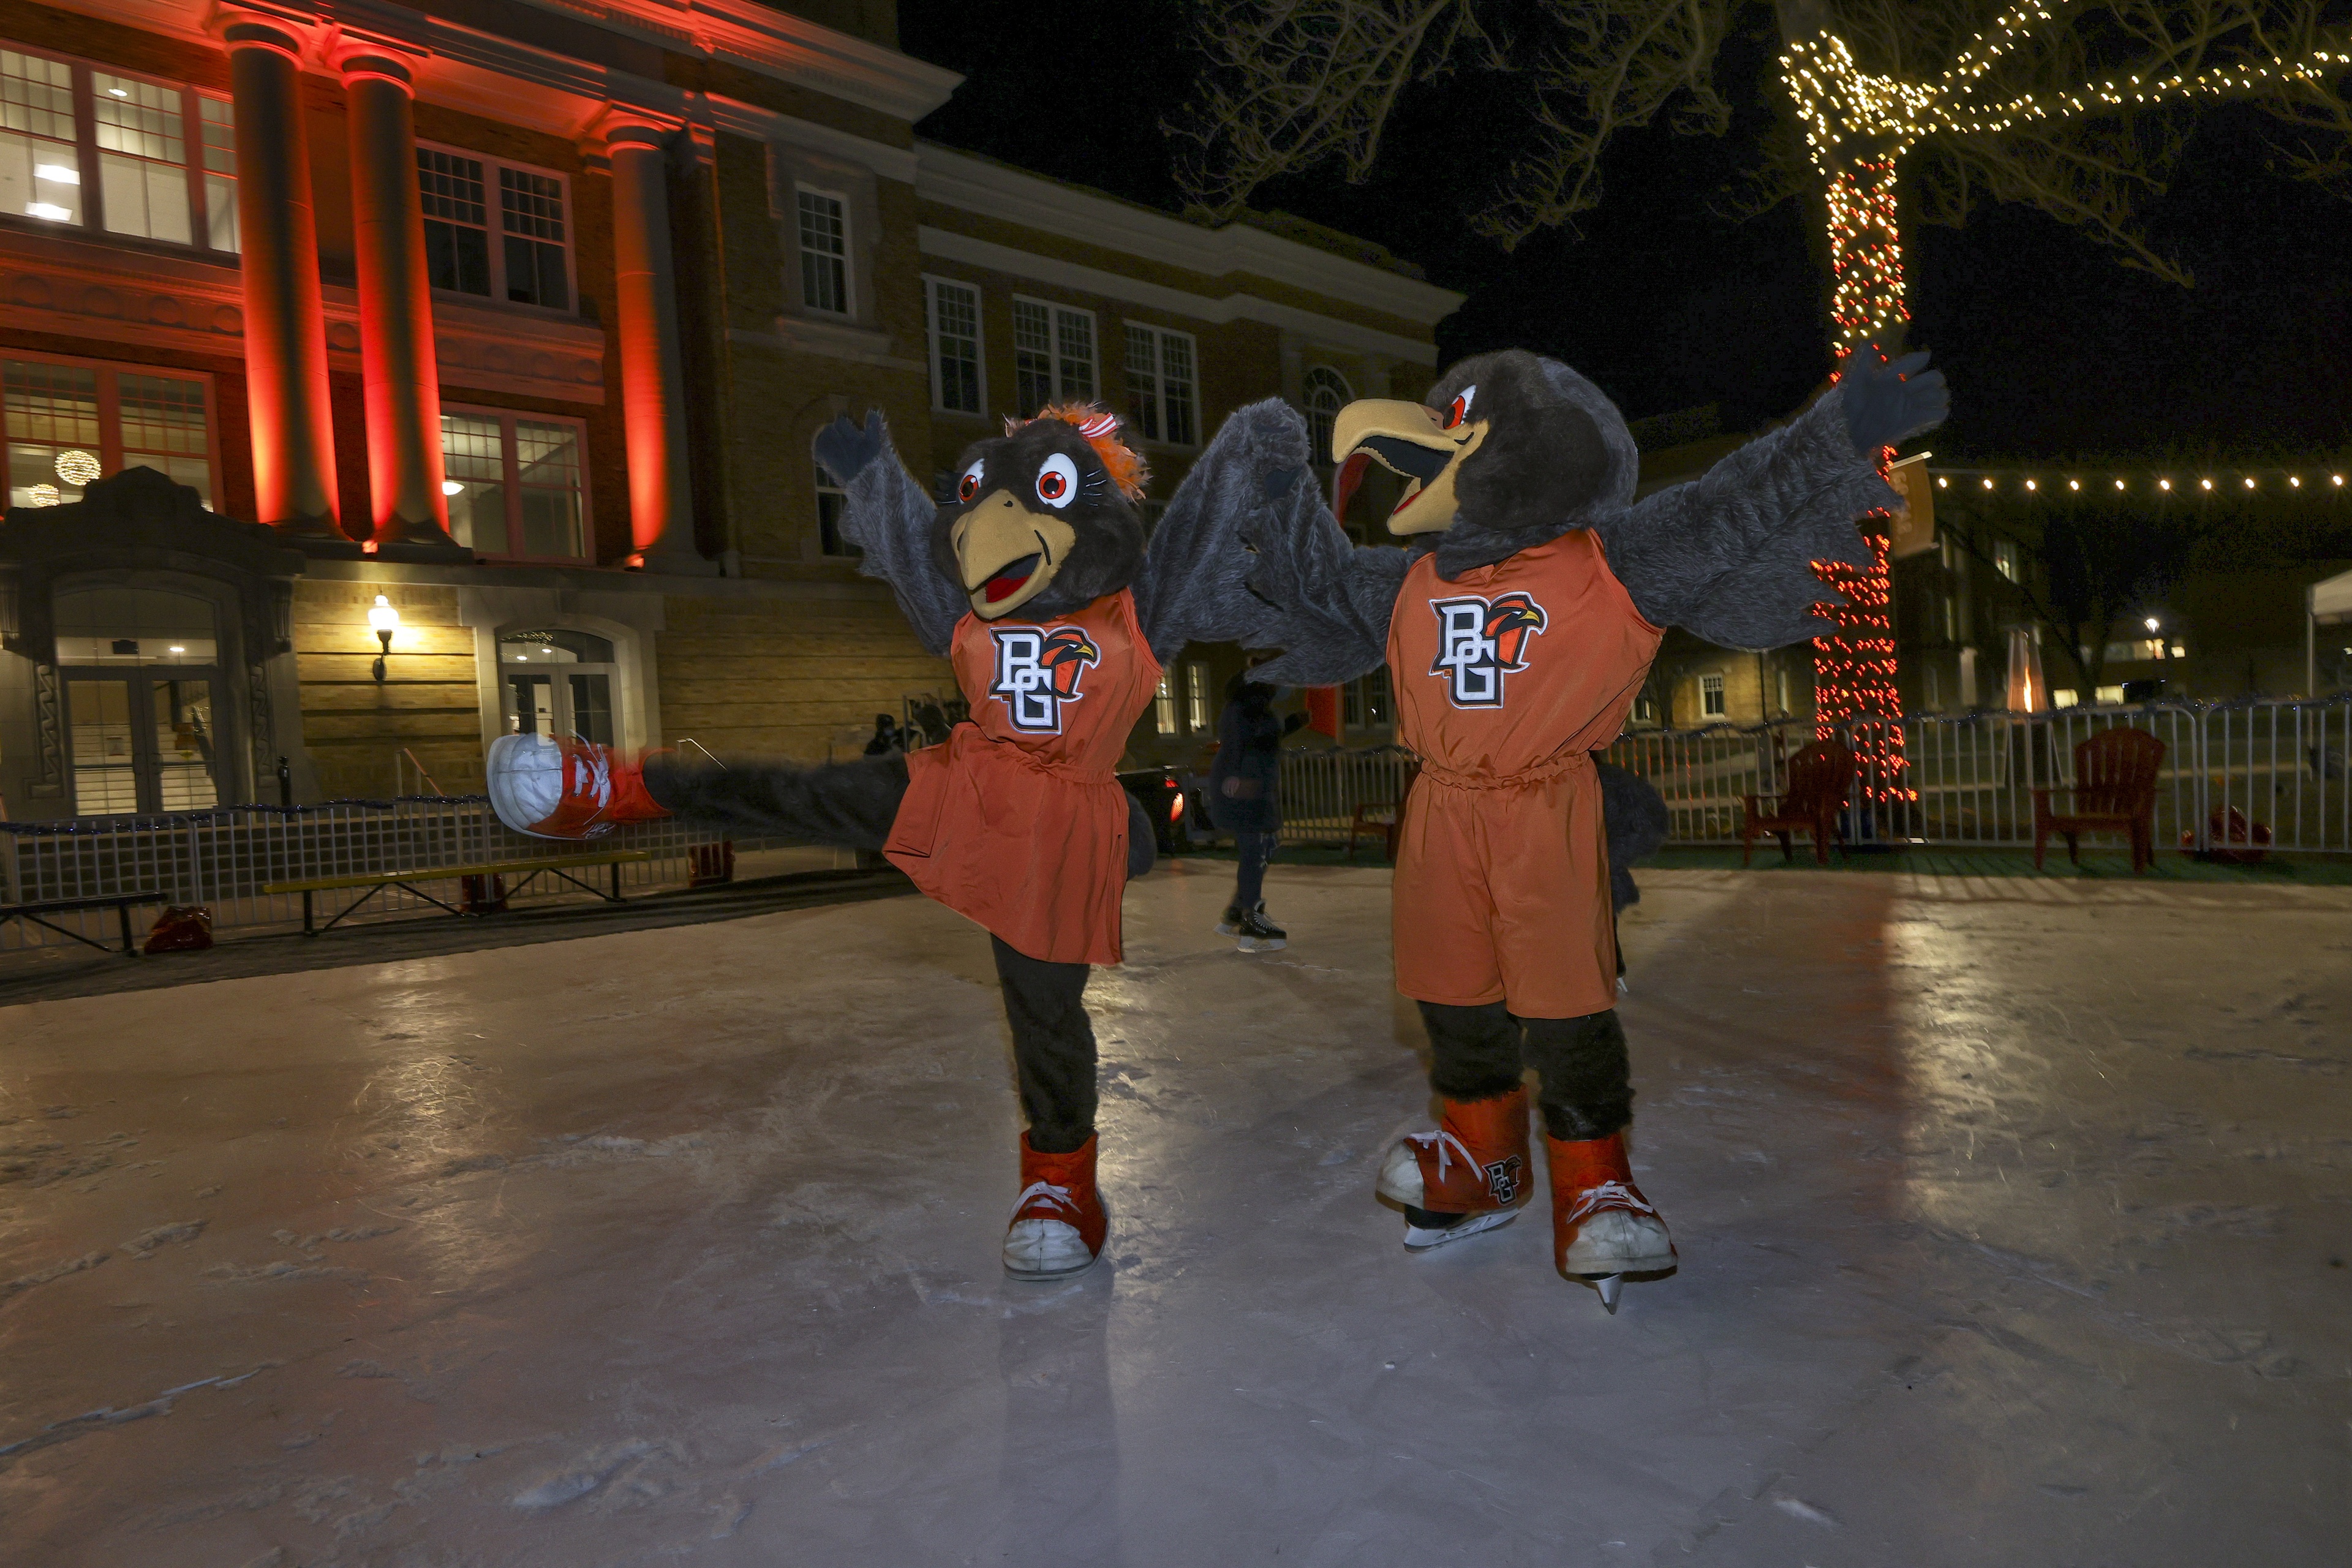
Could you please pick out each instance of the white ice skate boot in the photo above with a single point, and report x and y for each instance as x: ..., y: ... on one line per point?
x: 1468, y: 1176
x: 1058, y: 1223
x: 1603, y: 1228
x: 566, y: 789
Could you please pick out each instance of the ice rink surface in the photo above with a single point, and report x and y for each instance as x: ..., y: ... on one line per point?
x: 2014, y: 1217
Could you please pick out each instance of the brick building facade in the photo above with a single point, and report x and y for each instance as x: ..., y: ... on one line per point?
x: 514, y: 319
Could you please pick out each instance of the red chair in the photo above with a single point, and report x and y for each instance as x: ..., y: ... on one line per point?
x: 1821, y: 777
x: 2115, y: 792
x: 1375, y: 819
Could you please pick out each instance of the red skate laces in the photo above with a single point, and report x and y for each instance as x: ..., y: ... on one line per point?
x: 1476, y: 1161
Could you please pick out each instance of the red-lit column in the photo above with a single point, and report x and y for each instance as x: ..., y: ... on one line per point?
x: 284, y: 325
x: 403, y: 387
x: 653, y: 381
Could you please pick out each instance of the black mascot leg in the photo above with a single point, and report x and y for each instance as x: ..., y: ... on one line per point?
x: 1587, y: 1087
x: 849, y: 805
x: 1473, y: 1051
x: 1053, y: 1047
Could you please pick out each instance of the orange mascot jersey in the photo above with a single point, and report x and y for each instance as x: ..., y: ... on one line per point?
x: 1018, y: 822
x: 1507, y: 680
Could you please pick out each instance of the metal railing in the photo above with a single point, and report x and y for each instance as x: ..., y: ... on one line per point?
x: 1969, y: 779
x: 222, y: 858
x: 1320, y: 790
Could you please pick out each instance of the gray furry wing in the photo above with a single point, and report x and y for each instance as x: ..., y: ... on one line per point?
x: 890, y: 518
x: 1247, y: 553
x: 1729, y: 555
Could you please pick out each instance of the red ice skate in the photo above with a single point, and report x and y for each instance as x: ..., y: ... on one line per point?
x: 1603, y: 1228
x: 566, y: 789
x: 1059, y: 1224
x: 1473, y: 1173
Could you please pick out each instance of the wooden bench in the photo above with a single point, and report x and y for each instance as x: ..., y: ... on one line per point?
x: 377, y: 881
x: 121, y: 904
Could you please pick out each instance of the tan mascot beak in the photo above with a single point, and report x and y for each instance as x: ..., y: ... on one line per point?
x: 1008, y: 553
x: 1423, y: 446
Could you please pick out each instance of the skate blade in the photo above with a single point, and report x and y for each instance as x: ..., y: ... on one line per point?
x: 1611, y: 1286
x: 1035, y: 1275
x: 1258, y: 944
x: 1227, y: 928
x: 1420, y: 1239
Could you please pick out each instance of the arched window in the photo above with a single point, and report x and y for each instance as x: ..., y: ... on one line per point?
x: 1326, y: 391
x: 558, y: 683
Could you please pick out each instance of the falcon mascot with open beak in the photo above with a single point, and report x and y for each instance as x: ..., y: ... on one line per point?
x: 1518, y: 626
x: 1028, y: 580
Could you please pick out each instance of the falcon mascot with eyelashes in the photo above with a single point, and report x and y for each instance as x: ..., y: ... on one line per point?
x: 1029, y: 581
x: 1517, y: 628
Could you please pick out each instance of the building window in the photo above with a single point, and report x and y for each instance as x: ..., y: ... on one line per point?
x: 1951, y: 618
x: 1163, y: 708
x: 832, y: 500
x: 531, y: 262
x: 1160, y: 395
x: 1326, y: 393
x: 1364, y: 703
x: 951, y: 314
x: 2004, y: 558
x: 824, y: 253
x: 558, y: 683
x: 530, y: 215
x: 66, y: 424
x: 1053, y: 355
x: 218, y: 119
x: 516, y: 484
x: 1784, y: 693
x: 1646, y: 708
x: 134, y: 134
x: 1710, y: 696
x: 1196, y: 697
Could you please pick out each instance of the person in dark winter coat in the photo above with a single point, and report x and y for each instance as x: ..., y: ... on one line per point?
x: 1245, y: 800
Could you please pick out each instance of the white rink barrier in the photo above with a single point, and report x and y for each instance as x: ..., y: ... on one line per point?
x: 1970, y: 779
x: 222, y: 858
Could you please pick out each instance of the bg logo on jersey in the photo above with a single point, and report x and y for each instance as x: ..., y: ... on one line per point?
x: 1479, y: 641
x: 1037, y: 671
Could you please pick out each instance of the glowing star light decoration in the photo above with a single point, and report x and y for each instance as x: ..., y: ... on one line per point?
x: 78, y: 467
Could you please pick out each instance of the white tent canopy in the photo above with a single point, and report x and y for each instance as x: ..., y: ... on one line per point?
x: 2330, y: 603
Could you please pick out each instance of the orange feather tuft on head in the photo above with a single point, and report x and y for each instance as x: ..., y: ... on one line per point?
x: 1125, y: 465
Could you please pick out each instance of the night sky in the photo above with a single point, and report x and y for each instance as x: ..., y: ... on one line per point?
x: 2055, y: 350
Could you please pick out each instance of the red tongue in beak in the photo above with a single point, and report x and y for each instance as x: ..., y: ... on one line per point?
x: 1004, y: 584
x: 1351, y: 474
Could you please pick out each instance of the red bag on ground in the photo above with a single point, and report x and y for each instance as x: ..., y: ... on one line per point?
x: 181, y: 928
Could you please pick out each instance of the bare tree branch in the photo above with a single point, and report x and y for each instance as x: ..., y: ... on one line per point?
x: 2077, y: 108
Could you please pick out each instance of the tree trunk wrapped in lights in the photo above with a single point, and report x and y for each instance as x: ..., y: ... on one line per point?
x: 2076, y: 109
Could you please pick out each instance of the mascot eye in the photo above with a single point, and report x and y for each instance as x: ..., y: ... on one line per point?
x: 1057, y: 481
x: 968, y: 486
x: 1459, y: 409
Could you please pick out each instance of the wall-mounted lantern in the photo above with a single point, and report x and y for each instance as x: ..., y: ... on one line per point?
x: 384, y: 620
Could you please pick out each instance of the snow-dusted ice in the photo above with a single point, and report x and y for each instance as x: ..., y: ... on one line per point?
x: 2013, y: 1219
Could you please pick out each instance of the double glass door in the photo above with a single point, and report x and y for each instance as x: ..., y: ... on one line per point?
x: 144, y: 740
x: 558, y: 683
